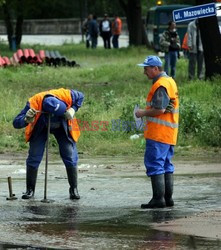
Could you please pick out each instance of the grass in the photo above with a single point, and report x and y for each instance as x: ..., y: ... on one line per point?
x: 112, y: 84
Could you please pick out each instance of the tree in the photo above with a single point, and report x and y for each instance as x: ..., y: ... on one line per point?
x: 133, y: 12
x: 14, y: 34
x: 211, y: 40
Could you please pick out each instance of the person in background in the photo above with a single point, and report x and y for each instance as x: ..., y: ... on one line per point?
x: 196, y: 56
x: 116, y: 31
x: 86, y: 30
x: 105, y: 31
x: 170, y: 45
x: 162, y: 114
x: 185, y: 47
x: 93, y: 31
x: 61, y: 104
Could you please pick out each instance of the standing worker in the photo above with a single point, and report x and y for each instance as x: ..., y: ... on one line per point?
x: 105, y: 31
x: 170, y: 45
x: 116, y: 31
x: 185, y: 47
x: 61, y: 104
x: 195, y: 46
x: 160, y: 132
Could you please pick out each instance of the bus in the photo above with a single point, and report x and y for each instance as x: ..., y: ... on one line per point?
x: 157, y: 21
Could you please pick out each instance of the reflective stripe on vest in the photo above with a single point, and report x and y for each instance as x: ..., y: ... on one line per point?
x: 175, y: 111
x: 162, y: 122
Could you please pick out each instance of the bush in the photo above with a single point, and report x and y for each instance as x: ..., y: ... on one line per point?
x: 127, y: 118
x: 192, y: 119
x: 211, y: 133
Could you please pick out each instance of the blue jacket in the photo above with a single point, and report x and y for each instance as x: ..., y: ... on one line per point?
x: 19, y: 120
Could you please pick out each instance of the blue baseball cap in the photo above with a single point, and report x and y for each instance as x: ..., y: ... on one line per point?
x: 54, y: 106
x: 151, y: 61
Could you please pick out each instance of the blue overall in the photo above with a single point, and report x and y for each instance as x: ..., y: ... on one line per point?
x: 59, y: 128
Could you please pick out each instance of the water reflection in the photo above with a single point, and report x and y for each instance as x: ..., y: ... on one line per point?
x: 159, y: 216
x: 63, y: 227
x: 107, y: 217
x: 53, y: 213
x: 159, y: 240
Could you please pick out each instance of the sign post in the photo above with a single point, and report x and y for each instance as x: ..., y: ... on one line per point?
x: 190, y: 13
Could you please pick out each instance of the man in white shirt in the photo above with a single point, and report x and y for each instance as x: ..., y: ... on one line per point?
x: 105, y: 31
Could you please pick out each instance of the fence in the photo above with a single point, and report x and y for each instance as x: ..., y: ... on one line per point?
x: 54, y: 26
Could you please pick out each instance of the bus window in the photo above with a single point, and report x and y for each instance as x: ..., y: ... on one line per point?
x: 157, y: 21
x: 164, y: 18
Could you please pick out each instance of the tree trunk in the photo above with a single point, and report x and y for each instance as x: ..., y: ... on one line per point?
x: 8, y: 24
x: 19, y: 23
x: 17, y: 34
x: 133, y: 12
x: 211, y: 40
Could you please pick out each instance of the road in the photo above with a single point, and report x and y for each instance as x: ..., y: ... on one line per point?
x: 108, y: 215
x: 61, y: 39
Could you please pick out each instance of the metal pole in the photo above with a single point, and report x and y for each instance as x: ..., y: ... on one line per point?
x: 46, y: 160
x: 10, y: 186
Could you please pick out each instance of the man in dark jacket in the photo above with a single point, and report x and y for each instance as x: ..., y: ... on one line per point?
x: 93, y: 31
x: 170, y: 45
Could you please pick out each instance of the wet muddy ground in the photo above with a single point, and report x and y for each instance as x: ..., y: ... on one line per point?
x: 108, y: 215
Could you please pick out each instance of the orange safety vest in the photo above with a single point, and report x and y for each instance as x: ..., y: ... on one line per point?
x: 163, y: 128
x: 185, y: 42
x: 36, y: 103
x: 116, y: 26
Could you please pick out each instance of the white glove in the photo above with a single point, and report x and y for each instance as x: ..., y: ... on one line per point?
x: 69, y: 114
x: 30, y: 115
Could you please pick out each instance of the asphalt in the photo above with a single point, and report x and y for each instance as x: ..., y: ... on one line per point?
x: 61, y: 39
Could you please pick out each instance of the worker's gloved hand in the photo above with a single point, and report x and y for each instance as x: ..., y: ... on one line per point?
x: 170, y: 106
x: 69, y: 114
x: 30, y: 115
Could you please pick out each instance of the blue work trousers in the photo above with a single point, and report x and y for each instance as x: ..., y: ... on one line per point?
x: 67, y: 148
x: 115, y: 41
x: 170, y: 63
x: 157, y: 158
x: 93, y: 42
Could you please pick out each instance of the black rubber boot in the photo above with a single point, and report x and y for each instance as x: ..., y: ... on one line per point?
x: 72, y: 180
x: 31, y: 177
x: 158, y: 187
x: 169, y: 189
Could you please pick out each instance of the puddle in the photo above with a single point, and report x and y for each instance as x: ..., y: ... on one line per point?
x: 108, y: 215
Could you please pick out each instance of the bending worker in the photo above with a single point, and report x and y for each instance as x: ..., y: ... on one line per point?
x: 61, y: 104
x: 160, y: 132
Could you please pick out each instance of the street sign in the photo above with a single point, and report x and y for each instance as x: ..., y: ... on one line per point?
x: 194, y: 12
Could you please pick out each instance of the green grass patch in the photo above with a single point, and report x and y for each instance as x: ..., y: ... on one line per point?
x: 112, y: 84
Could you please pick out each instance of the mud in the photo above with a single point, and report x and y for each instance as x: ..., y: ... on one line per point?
x: 108, y: 215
